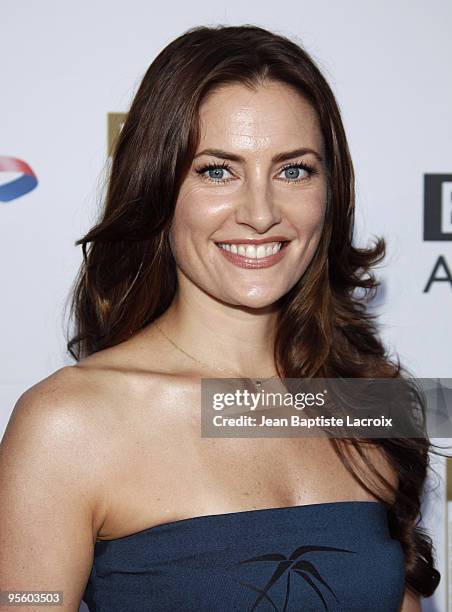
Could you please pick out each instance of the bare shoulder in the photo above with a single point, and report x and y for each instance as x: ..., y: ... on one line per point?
x: 43, y: 408
x: 54, y: 409
x: 53, y: 425
x: 51, y: 482
x: 76, y: 409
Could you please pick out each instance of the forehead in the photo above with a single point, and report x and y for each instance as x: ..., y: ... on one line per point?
x: 270, y: 116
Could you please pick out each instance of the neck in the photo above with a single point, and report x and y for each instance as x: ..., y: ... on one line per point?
x: 227, y: 337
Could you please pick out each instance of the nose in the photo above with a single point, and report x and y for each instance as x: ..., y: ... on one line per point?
x: 257, y: 207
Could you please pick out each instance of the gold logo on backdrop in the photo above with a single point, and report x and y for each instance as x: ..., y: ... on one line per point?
x: 449, y: 479
x: 115, y: 121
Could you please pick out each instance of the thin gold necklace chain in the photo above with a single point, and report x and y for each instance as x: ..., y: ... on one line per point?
x: 179, y: 348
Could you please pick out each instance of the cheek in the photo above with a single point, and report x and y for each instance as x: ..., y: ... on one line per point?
x: 196, y: 217
x: 307, y: 215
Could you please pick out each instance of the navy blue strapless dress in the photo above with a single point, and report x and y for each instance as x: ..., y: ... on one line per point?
x: 336, y: 556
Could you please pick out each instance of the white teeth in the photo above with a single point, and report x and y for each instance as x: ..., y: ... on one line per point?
x: 251, y: 250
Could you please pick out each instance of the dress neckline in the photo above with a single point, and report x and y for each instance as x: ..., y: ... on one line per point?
x: 248, y: 514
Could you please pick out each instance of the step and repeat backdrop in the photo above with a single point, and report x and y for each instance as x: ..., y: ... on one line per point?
x: 68, y: 75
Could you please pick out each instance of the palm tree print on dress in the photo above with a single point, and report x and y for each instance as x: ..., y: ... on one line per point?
x: 292, y: 566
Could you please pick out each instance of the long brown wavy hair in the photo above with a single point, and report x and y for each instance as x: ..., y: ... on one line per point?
x: 324, y: 329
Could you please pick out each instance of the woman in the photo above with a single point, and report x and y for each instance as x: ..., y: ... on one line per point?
x: 224, y: 250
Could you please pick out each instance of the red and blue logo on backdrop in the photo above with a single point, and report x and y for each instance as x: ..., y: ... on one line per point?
x: 18, y: 186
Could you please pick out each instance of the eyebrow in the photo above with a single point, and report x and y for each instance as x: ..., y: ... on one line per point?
x: 280, y: 157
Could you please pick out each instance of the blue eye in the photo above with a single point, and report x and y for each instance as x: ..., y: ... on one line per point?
x: 215, y: 172
x: 292, y: 172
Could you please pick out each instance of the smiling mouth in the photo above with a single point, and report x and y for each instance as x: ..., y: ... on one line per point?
x: 261, y: 255
x: 252, y: 251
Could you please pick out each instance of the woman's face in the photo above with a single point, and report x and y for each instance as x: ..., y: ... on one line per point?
x: 250, y: 211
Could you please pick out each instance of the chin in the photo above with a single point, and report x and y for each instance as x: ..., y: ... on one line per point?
x: 254, y: 300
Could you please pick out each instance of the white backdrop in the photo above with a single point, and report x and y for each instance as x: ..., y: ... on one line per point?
x: 66, y: 65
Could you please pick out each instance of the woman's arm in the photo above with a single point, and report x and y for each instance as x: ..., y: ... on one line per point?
x: 48, y: 497
x: 411, y: 603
